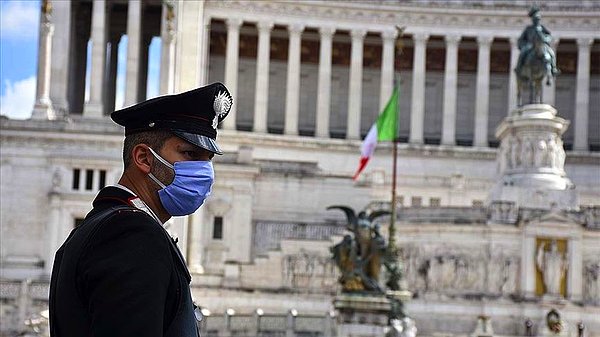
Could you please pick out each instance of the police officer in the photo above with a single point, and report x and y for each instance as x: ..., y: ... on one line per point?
x: 119, y: 273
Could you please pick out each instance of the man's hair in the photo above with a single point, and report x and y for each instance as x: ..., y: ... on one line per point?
x: 154, y: 139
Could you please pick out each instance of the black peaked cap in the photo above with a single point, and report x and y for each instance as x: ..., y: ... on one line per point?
x: 192, y: 115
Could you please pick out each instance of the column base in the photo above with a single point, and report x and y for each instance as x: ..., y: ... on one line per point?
x: 93, y: 110
x: 43, y: 111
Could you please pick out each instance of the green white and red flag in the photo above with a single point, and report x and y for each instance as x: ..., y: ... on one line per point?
x: 384, y: 129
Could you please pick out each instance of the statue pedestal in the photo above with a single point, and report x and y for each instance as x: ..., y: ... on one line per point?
x: 531, y: 160
x: 362, y: 315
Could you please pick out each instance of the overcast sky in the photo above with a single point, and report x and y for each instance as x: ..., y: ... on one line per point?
x: 19, y: 22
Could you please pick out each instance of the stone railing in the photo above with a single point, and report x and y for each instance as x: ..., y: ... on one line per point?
x: 268, y: 235
x: 455, y: 215
x: 292, y: 324
x: 22, y: 304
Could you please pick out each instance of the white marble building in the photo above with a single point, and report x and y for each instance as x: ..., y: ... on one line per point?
x: 308, y: 80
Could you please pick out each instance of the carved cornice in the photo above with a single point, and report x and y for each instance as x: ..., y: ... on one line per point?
x: 348, y: 15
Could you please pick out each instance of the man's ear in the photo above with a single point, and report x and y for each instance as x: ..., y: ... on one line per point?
x: 142, y: 158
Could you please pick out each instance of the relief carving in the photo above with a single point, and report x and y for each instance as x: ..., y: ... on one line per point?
x: 307, y: 270
x: 591, y: 278
x: 452, y: 270
x: 540, y: 153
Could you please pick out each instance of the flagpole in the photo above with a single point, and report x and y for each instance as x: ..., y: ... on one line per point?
x: 392, y: 229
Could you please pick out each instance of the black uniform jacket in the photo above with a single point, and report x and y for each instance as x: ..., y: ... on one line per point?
x: 119, y: 273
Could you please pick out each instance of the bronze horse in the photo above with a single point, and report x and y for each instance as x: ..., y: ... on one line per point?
x: 537, y: 65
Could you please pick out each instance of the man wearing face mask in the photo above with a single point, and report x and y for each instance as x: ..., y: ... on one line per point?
x: 119, y: 273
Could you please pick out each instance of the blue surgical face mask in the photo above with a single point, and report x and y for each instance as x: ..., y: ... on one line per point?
x: 190, y: 187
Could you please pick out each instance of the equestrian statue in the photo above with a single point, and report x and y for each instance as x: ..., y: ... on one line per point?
x: 537, y: 60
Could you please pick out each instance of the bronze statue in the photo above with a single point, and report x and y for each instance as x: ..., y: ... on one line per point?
x: 360, y: 256
x: 536, y: 59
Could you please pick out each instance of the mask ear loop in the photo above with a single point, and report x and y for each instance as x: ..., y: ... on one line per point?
x: 164, y: 162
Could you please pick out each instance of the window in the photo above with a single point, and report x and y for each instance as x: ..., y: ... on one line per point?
x: 76, y: 174
x: 89, y: 176
x: 477, y: 203
x: 416, y: 201
x: 218, y: 228
x: 102, y: 180
x: 435, y: 202
x: 88, y: 179
x: 399, y: 200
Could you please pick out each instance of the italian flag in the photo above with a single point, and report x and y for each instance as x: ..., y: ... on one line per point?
x: 384, y: 129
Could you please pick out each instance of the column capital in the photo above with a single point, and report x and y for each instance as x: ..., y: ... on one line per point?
x: 358, y: 33
x: 420, y: 37
x: 47, y: 28
x: 484, y: 40
x: 264, y: 26
x: 584, y: 42
x: 295, y: 28
x: 326, y: 31
x: 233, y: 23
x: 169, y: 36
x: 452, y: 39
x: 389, y: 35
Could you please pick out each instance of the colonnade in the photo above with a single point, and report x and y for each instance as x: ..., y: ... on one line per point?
x: 418, y: 98
x: 102, y: 82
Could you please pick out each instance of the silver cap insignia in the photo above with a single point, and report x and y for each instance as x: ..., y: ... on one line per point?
x: 222, y: 104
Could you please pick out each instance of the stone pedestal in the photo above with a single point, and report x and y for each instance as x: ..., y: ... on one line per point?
x: 531, y: 160
x: 361, y: 315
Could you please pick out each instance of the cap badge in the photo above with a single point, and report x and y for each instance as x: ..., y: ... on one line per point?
x: 215, y: 122
x: 222, y: 104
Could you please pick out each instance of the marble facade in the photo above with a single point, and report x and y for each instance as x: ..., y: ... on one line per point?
x: 308, y: 78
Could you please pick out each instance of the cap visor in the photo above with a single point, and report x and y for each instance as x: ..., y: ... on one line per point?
x: 200, y: 140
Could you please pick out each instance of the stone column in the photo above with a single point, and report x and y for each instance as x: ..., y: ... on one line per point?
x: 575, y: 271
x: 387, y: 67
x: 324, y: 86
x: 261, y: 98
x: 231, y: 67
x: 450, y: 80
x: 190, y: 63
x: 111, y: 88
x: 134, y: 32
x: 549, y: 91
x: 42, y: 109
x: 512, y: 75
x: 167, y: 50
x: 292, y: 95
x: 355, y: 85
x: 52, y: 232
x: 94, y: 107
x: 204, y: 54
x: 196, y: 240
x: 417, y: 117
x: 528, y: 266
x: 61, y: 50
x: 582, y: 94
x: 482, y: 91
